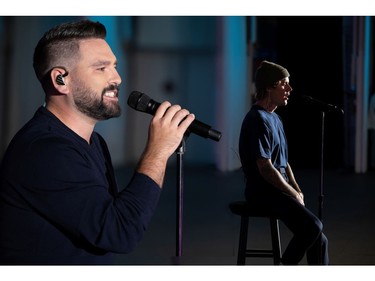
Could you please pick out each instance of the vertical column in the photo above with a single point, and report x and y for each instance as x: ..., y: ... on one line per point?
x: 362, y: 93
x: 231, y: 91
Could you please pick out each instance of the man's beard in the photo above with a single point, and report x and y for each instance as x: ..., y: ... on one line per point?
x: 87, y: 102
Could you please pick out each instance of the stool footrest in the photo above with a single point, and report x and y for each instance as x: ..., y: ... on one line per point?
x: 259, y: 253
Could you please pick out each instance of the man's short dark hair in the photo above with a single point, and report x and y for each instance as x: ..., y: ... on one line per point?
x: 60, y: 45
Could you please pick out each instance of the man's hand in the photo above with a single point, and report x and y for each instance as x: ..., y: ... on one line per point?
x: 166, y: 131
x: 300, y: 198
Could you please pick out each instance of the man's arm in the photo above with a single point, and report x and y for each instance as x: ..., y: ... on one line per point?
x: 292, y: 180
x: 274, y: 177
x: 166, y: 131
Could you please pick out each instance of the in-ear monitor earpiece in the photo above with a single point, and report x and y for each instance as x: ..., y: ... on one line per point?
x: 60, y: 79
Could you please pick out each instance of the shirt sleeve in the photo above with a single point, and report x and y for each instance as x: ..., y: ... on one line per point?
x: 262, y: 139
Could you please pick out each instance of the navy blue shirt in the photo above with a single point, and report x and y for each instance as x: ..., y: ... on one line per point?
x: 59, y: 201
x: 262, y: 135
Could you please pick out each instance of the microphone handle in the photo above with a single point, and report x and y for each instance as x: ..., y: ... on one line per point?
x: 323, y: 105
x: 197, y: 127
x: 204, y: 130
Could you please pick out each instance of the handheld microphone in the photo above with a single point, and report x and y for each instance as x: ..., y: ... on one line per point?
x: 141, y: 102
x: 321, y: 104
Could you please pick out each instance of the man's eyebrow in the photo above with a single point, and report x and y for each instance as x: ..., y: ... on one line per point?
x: 103, y: 62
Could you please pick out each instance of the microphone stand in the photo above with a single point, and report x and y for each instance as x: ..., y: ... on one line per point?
x: 321, y: 194
x: 324, y: 107
x: 180, y: 197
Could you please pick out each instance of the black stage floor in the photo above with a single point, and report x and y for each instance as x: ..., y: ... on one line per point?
x: 210, y: 231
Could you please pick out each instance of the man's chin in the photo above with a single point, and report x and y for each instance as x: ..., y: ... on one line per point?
x: 113, y: 109
x: 115, y: 114
x: 109, y: 114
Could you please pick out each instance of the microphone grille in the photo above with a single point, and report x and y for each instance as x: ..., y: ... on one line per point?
x: 139, y: 101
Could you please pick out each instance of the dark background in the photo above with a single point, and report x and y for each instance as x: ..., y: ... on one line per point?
x: 311, y: 49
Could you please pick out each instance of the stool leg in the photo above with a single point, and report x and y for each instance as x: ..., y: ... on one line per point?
x: 276, y: 246
x: 243, y: 241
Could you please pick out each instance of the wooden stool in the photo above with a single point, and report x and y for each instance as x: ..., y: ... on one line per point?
x: 243, y: 209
